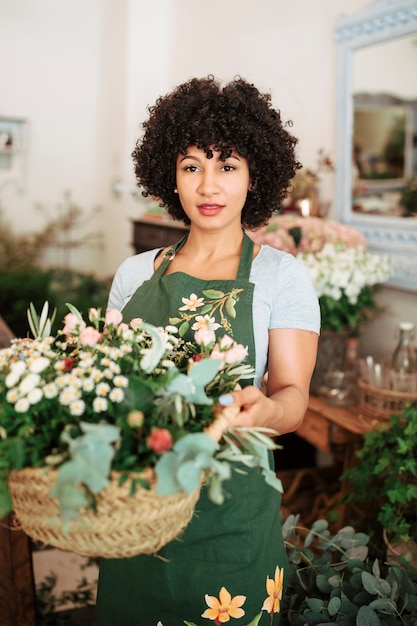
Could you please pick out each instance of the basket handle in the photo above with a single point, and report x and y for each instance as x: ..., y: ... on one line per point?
x: 224, y: 418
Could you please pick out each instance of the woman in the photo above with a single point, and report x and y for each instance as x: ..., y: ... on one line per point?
x: 220, y: 159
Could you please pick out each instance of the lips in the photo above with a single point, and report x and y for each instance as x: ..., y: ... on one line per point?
x: 210, y: 209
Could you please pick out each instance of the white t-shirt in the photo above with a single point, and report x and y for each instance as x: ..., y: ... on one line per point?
x: 284, y: 295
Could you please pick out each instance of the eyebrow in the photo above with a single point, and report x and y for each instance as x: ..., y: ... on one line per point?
x: 197, y: 158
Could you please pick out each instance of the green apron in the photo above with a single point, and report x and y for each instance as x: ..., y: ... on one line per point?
x: 236, y: 545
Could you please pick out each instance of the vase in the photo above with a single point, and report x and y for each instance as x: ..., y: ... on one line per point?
x: 331, y: 356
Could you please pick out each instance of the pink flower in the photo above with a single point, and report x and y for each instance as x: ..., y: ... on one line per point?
x: 136, y: 322
x: 93, y: 314
x: 113, y: 317
x: 90, y: 336
x: 204, y: 337
x: 191, y: 303
x: 73, y: 324
x: 236, y: 354
x: 160, y: 440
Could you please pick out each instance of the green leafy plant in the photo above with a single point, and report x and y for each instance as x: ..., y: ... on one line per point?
x: 385, y: 477
x: 110, y: 396
x: 331, y: 580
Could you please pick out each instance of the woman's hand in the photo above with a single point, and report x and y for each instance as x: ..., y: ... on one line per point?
x: 255, y: 408
x: 291, y: 359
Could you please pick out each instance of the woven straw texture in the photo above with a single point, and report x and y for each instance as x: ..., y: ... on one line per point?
x: 123, y: 525
x: 381, y: 403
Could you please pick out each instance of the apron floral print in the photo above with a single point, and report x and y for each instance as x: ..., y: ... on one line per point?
x: 222, y: 609
x: 214, y: 300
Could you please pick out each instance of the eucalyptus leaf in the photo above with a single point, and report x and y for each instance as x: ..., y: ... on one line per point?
x: 334, y: 606
x: 204, y: 371
x: 367, y: 617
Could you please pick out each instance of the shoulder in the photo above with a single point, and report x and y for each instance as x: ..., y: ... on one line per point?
x: 283, y: 285
x: 271, y: 260
x: 129, y: 276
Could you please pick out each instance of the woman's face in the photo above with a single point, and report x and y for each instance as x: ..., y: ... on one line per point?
x: 212, y: 192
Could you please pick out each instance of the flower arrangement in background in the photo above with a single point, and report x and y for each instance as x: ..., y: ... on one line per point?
x: 343, y: 271
x: 294, y: 234
x: 103, y: 396
x: 344, y: 279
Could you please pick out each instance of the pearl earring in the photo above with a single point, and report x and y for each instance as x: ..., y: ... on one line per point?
x: 175, y: 190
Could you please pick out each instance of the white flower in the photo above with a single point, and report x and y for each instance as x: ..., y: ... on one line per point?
x: 35, y: 396
x: 100, y: 405
x: 12, y: 379
x: 39, y: 365
x: 116, y: 395
x: 12, y: 395
x: 68, y: 395
x: 88, y: 384
x: 28, y: 383
x: 102, y: 389
x: 22, y: 405
x: 50, y: 390
x: 77, y: 407
x: 18, y: 367
x: 120, y: 381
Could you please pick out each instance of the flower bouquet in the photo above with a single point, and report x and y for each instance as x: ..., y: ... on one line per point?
x: 108, y: 431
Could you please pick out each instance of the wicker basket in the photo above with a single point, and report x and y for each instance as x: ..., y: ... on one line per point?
x: 381, y: 403
x: 121, y: 526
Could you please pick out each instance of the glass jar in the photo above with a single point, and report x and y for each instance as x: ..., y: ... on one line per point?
x: 403, y: 366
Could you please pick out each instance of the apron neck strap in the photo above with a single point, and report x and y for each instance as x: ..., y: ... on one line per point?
x: 244, y: 264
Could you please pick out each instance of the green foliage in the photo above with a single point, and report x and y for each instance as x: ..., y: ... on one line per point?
x: 341, y: 314
x: 332, y: 580
x: 50, y: 606
x: 18, y: 288
x: 385, y: 476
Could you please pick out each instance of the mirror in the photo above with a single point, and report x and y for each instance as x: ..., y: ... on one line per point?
x: 377, y: 130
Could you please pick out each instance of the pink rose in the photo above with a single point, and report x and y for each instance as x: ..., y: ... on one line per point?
x: 113, y: 317
x: 93, y: 314
x: 226, y: 342
x: 72, y: 324
x: 136, y: 323
x: 160, y: 440
x: 236, y: 354
x: 204, y: 337
x: 90, y: 336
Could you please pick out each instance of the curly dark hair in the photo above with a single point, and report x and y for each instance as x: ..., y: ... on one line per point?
x: 203, y: 114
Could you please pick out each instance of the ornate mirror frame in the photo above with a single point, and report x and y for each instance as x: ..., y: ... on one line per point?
x: 381, y: 21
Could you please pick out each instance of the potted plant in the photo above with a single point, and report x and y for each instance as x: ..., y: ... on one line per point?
x: 385, y: 478
x: 333, y: 579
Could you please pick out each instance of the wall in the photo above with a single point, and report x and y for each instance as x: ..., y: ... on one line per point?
x: 84, y: 73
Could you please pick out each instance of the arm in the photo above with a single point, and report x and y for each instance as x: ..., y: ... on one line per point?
x: 291, y: 360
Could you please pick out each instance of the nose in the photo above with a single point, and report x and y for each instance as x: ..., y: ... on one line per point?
x: 208, y: 184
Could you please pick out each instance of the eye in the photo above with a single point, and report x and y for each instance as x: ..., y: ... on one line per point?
x: 228, y: 168
x: 191, y: 168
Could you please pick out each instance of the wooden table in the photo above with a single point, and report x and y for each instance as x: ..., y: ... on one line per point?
x: 335, y: 430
